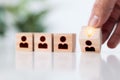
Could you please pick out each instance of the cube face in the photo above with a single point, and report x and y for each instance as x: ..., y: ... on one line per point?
x: 64, y: 42
x: 42, y: 42
x: 24, y: 42
x: 92, y: 42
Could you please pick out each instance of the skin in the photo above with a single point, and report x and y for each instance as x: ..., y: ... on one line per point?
x: 108, y: 13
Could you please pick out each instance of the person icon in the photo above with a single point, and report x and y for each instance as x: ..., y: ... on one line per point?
x: 64, y: 45
x: 89, y: 48
x: 24, y: 44
x: 42, y: 45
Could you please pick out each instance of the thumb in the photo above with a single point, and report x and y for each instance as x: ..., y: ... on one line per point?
x: 101, y: 12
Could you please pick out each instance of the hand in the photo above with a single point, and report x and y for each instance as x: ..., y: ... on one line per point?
x: 106, y: 14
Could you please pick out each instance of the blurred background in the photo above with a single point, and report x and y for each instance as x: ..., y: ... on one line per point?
x: 52, y: 16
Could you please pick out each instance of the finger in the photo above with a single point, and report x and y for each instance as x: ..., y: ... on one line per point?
x: 107, y: 29
x: 115, y: 38
x: 101, y: 12
x: 109, y: 25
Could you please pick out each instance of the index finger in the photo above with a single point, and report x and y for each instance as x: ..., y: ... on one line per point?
x: 101, y: 12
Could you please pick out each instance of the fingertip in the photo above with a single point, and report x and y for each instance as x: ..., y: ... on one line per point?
x: 94, y: 21
x: 111, y: 45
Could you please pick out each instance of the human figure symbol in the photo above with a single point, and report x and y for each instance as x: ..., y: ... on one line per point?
x: 42, y: 45
x: 63, y: 45
x: 89, y: 48
x: 23, y: 44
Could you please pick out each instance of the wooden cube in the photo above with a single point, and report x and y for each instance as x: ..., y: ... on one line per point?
x: 42, y: 42
x: 24, y: 42
x: 90, y: 39
x: 64, y: 42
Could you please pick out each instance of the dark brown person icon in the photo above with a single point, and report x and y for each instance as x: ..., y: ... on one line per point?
x: 42, y: 45
x: 63, y: 45
x: 89, y: 48
x: 24, y: 44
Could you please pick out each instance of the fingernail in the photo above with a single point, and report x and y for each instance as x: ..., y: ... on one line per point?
x: 94, y: 21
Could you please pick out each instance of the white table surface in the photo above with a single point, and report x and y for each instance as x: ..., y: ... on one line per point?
x: 61, y: 66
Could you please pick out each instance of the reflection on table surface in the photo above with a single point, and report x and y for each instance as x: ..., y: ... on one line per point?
x: 45, y: 61
x: 72, y: 66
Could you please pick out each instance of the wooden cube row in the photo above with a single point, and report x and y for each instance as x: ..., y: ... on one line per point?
x: 45, y: 42
x: 90, y: 41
